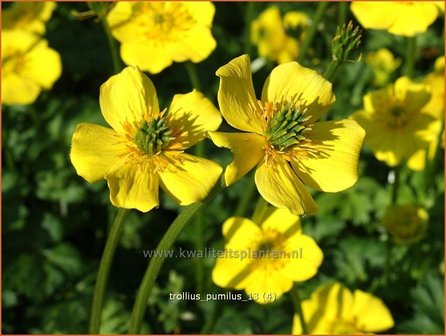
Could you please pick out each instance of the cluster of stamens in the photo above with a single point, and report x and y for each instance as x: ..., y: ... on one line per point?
x: 153, y: 135
x: 397, y: 117
x: 287, y: 126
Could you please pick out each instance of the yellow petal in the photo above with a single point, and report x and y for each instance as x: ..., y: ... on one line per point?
x: 28, y: 65
x: 291, y: 82
x: 118, y: 20
x: 233, y: 269
x: 133, y: 185
x: 95, y: 150
x: 236, y: 96
x: 413, y: 18
x: 247, y: 149
x: 202, y: 11
x: 18, y: 90
x: 231, y: 272
x: 281, y: 220
x: 371, y: 313
x: 193, y: 115
x: 280, y: 186
x: 334, y: 301
x: 374, y: 14
x: 196, y: 45
x: 382, y: 143
x: 306, y: 257
x: 334, y: 164
x: 188, y: 178
x: 135, y: 53
x: 43, y: 65
x: 127, y: 97
x: 309, y: 309
x: 267, y: 284
x: 240, y: 232
x: 414, y: 96
x: 29, y: 16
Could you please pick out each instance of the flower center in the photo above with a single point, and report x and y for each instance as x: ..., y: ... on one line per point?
x: 163, y: 21
x: 153, y: 136
x: 287, y: 127
x: 264, y: 249
x: 397, y: 117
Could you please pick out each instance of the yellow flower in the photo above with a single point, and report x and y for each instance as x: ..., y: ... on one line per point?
x: 277, y: 40
x: 333, y: 309
x: 383, y: 64
x: 265, y: 258
x: 282, y: 135
x: 435, y: 108
x: 406, y: 223
x: 406, y: 18
x: 154, y: 34
x: 395, y: 122
x: 29, y: 16
x: 28, y: 66
x: 146, y: 146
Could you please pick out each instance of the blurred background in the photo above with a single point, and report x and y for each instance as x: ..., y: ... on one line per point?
x: 55, y: 223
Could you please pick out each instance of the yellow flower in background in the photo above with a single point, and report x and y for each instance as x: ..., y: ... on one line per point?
x: 145, y: 147
x: 282, y: 135
x: 28, y: 66
x: 435, y: 108
x: 155, y: 34
x: 334, y: 310
x: 29, y: 16
x: 406, y: 223
x: 383, y: 64
x: 265, y: 258
x: 277, y: 39
x: 395, y: 122
x: 406, y: 18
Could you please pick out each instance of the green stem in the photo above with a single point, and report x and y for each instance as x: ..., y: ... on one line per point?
x: 244, y: 203
x: 342, y: 12
x: 411, y: 49
x: 248, y: 17
x: 298, y: 308
x: 329, y: 72
x: 104, y: 270
x: 193, y: 75
x: 199, y: 222
x: 389, y: 245
x: 312, y: 31
x: 101, y: 10
x: 260, y: 210
x: 155, y: 263
x: 395, y: 186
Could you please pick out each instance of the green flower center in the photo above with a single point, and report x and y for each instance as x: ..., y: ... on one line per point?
x: 398, y: 117
x: 287, y: 127
x: 153, y: 136
x: 265, y: 248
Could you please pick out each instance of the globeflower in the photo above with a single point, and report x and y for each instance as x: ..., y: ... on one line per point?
x: 155, y: 34
x: 283, y: 137
x: 383, y: 64
x: 435, y: 108
x: 145, y: 147
x: 405, y: 18
x: 265, y: 258
x: 334, y: 310
x: 395, y: 121
x: 29, y: 16
x: 406, y: 223
x: 28, y: 66
x: 277, y: 39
